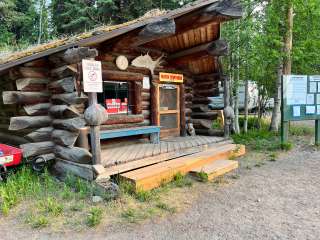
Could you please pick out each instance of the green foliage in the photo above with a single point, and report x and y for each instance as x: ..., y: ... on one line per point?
x: 259, y: 140
x: 301, y: 130
x: 166, y: 207
x: 180, y: 180
x: 94, y: 217
x: 202, y: 176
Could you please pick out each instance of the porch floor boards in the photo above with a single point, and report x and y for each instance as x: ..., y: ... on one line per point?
x: 123, y: 154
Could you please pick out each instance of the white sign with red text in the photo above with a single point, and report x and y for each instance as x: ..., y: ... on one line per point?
x: 92, y: 76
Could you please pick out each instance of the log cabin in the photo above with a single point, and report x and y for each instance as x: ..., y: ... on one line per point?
x: 158, y: 72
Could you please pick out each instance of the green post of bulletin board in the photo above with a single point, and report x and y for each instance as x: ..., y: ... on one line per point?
x: 300, y: 101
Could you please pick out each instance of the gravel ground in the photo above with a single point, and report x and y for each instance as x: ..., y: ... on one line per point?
x: 279, y: 200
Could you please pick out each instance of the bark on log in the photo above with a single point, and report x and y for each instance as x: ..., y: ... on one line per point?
x: 137, y: 107
x: 64, y: 71
x: 15, y: 97
x: 69, y: 98
x: 146, y: 96
x: 121, y: 119
x: 72, y: 124
x: 202, y: 123
x: 209, y: 77
x: 37, y: 63
x: 37, y: 109
x: 121, y: 76
x: 73, y: 55
x: 129, y: 125
x: 40, y: 135
x: 188, y: 97
x: 63, y: 85
x: 75, y: 154
x: 95, y: 115
x: 64, y: 138
x: 9, y: 138
x: 31, y: 84
x: 18, y: 123
x: 183, y: 131
x: 209, y: 132
x: 154, y: 106
x: 35, y: 149
x: 63, y: 111
x: 160, y: 29
x: 207, y: 92
x: 200, y: 100
x: 207, y: 115
x: 30, y: 72
x: 200, y: 108
x: 111, y: 66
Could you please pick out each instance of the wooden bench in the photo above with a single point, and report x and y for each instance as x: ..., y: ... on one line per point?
x: 153, y: 131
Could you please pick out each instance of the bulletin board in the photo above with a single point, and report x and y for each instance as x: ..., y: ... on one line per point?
x: 300, y: 97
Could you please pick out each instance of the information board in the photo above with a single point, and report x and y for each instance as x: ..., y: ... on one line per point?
x: 170, y: 77
x: 92, y: 76
x: 301, y: 97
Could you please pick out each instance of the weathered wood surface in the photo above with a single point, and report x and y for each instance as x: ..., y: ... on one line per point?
x: 9, y: 138
x: 35, y: 149
x: 215, y: 48
x: 75, y: 154
x: 40, y: 135
x: 64, y: 71
x: 37, y: 63
x: 137, y: 101
x: 37, y: 109
x: 63, y: 111
x: 125, y: 125
x: 71, y: 124
x: 205, y: 115
x: 200, y: 108
x: 207, y: 92
x: 202, y: 123
x: 73, y: 55
x: 200, y: 100
x: 16, y: 97
x: 157, y: 30
x: 145, y: 96
x: 183, y: 131
x: 230, y: 8
x: 31, y: 72
x: 64, y: 138
x: 121, y: 119
x: 31, y: 84
x: 121, y: 76
x: 63, y: 85
x: 154, y: 103
x: 95, y: 115
x: 209, y: 132
x: 69, y: 98
x: 65, y: 168
x: 18, y: 123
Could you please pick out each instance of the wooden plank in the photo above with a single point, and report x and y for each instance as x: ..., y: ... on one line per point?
x: 129, y: 132
x: 215, y: 169
x: 149, y: 161
x: 153, y: 176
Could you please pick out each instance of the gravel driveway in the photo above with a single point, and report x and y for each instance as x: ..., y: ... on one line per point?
x: 279, y: 200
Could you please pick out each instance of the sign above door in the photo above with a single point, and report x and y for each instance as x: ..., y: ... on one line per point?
x: 171, y: 77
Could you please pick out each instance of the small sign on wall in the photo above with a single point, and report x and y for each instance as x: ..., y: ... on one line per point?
x: 92, y: 76
x: 146, y: 82
x: 170, y: 77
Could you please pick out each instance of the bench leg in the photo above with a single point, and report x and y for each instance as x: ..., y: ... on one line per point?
x: 155, y: 138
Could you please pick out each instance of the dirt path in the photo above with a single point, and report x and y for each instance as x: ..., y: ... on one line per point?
x: 279, y: 200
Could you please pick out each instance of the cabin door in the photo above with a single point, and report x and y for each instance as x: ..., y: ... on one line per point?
x: 169, y: 110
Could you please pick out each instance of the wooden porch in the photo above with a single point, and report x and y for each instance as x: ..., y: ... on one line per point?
x: 132, y: 155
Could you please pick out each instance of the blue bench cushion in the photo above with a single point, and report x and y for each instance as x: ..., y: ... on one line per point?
x: 125, y: 132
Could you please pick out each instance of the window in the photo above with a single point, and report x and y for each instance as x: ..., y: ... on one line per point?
x: 116, y: 97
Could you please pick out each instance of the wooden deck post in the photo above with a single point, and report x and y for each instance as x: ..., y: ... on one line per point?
x: 95, y: 134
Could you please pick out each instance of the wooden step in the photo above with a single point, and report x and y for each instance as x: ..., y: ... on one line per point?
x: 215, y: 169
x: 153, y: 176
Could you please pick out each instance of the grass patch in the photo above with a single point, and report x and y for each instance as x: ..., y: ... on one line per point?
x: 165, y: 207
x: 51, y: 206
x: 180, y: 180
x: 259, y: 140
x: 301, y: 130
x: 94, y: 216
x: 202, y: 176
x: 40, y: 221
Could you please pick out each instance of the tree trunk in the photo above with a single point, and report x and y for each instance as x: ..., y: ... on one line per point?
x: 276, y: 112
x: 246, y: 110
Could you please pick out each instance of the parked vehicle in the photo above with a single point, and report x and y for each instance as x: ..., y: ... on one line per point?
x: 218, y: 102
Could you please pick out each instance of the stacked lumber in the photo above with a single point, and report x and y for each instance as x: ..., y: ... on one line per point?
x: 67, y: 107
x: 31, y: 97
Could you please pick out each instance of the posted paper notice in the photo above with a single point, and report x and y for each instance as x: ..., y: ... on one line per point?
x: 310, y: 99
x: 310, y: 109
x: 296, y: 111
x: 313, y: 87
x: 318, y: 109
x: 296, y: 88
